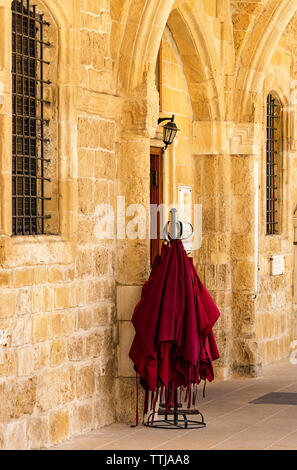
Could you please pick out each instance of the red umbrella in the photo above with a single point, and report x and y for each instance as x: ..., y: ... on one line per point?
x: 174, y: 344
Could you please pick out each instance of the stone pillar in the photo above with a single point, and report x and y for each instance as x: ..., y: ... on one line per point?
x: 139, y: 123
x: 212, y: 190
x: 244, y: 155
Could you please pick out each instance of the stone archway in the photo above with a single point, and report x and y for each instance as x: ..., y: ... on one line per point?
x: 257, y: 52
x: 246, y: 150
x: 140, y: 109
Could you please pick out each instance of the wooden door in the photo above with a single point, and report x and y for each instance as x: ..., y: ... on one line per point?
x: 156, y: 194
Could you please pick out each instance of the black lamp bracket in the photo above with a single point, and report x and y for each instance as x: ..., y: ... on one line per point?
x: 166, y: 119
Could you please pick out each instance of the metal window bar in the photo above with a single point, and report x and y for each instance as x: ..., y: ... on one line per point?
x: 28, y: 139
x: 272, y: 116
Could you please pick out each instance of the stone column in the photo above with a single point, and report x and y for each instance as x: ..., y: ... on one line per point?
x: 212, y: 190
x: 245, y: 156
x: 139, y: 123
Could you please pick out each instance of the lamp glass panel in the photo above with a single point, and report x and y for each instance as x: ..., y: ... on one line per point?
x: 168, y: 135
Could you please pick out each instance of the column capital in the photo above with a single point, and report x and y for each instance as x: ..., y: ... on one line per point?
x: 245, y: 139
x: 140, y: 110
x: 210, y: 137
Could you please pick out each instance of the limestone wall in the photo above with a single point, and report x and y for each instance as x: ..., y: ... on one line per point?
x: 66, y: 299
x: 57, y: 359
x: 275, y: 313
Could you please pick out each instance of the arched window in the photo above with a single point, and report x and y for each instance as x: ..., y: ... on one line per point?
x: 30, y: 120
x: 273, y: 164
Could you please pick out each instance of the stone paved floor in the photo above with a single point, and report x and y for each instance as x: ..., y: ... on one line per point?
x: 232, y: 421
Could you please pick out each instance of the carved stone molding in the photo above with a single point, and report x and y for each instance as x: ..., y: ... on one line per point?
x: 245, y: 139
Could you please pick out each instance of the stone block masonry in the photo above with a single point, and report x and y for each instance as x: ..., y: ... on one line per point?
x: 66, y: 297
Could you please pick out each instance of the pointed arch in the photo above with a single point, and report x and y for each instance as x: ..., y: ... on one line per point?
x: 258, y: 50
x: 200, y: 61
x: 145, y: 25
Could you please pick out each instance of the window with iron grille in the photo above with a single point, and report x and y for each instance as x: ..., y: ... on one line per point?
x: 273, y: 167
x: 28, y: 123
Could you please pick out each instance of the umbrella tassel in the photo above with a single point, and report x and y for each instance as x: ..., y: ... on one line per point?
x: 195, y: 395
x: 154, y: 406
x: 204, y: 386
x: 189, y: 400
x: 172, y: 396
x: 152, y: 399
x: 162, y: 396
x: 186, y: 395
x: 167, y: 399
x: 189, y: 387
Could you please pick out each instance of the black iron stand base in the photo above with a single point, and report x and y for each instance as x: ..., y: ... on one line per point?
x: 176, y: 422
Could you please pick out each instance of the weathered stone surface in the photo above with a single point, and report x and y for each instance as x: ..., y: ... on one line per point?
x: 15, y: 436
x: 94, y: 343
x: 25, y: 361
x: 62, y: 323
x: 58, y: 426
x: 37, y: 432
x: 127, y: 299
x: 24, y: 277
x: 40, y: 328
x: 248, y: 358
x: 75, y: 348
x: 7, y: 303
x: 57, y: 352
x: 83, y: 420
x: 102, y: 261
x: 55, y: 387
x: 126, y: 335
x: 84, y: 264
x: 104, y: 165
x: 105, y: 411
x: 67, y: 297
x: 21, y: 397
x: 126, y: 399
x: 100, y: 315
x: 85, y: 381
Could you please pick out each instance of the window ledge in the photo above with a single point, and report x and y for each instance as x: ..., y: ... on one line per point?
x: 30, y: 250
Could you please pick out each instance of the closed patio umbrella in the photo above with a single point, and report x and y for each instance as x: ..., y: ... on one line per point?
x: 174, y: 344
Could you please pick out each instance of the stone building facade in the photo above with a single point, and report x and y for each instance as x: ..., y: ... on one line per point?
x: 67, y: 295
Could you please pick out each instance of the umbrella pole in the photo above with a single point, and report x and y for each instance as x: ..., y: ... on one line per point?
x: 175, y: 415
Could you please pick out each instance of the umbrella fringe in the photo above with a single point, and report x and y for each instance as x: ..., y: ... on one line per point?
x: 204, y: 387
x: 187, y: 395
x: 154, y: 405
x: 162, y: 398
x: 190, y: 395
x: 152, y: 399
x: 194, y: 394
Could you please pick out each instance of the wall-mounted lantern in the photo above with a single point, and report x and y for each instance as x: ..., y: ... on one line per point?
x: 169, y: 130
